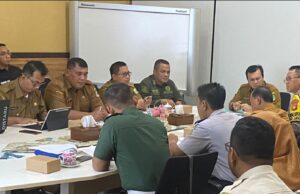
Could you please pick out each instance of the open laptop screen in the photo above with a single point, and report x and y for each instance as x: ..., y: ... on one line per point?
x: 4, y: 108
x: 55, y: 119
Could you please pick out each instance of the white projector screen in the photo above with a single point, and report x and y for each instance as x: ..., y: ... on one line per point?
x: 138, y: 35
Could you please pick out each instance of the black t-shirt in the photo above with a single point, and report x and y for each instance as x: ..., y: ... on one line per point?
x: 10, y: 74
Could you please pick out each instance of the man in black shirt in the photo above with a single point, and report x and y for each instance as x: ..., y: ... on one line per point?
x: 7, y: 71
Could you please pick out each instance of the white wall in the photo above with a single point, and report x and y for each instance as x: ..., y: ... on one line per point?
x: 206, y: 13
x: 247, y: 32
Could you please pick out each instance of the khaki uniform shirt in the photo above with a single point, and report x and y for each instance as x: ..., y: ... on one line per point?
x: 286, y: 162
x: 166, y: 91
x: 60, y: 93
x: 244, y: 92
x: 135, y: 93
x: 31, y: 106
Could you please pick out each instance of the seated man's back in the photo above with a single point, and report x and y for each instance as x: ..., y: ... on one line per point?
x: 137, y: 141
x: 286, y: 153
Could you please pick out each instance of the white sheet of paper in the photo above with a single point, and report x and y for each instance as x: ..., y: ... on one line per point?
x: 54, y: 148
x: 88, y: 150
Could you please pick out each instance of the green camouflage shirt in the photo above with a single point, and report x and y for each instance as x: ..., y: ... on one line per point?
x: 166, y: 91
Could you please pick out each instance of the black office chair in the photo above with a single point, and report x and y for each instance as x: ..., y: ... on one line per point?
x: 285, y: 100
x: 187, y: 174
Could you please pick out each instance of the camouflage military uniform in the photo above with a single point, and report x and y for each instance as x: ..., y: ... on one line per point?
x: 166, y: 91
x: 135, y: 93
x: 30, y: 106
x: 244, y: 92
x: 60, y: 93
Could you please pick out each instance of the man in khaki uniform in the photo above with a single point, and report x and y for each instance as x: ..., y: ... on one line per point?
x: 255, y: 77
x: 286, y: 153
x: 26, y: 102
x: 74, y: 90
x: 120, y: 74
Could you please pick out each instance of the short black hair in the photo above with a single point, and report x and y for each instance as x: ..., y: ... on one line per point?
x: 254, y: 68
x: 114, y: 68
x: 160, y: 61
x: 253, y: 139
x: 72, y: 62
x: 296, y: 68
x: 2, y: 44
x: 213, y: 93
x: 263, y: 92
x: 31, y: 66
x: 118, y: 95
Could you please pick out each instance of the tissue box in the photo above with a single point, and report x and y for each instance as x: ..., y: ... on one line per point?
x: 180, y: 119
x: 85, y: 134
x: 43, y: 164
x: 187, y: 109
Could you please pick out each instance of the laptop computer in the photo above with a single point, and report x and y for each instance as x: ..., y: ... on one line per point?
x: 4, y: 108
x: 55, y: 119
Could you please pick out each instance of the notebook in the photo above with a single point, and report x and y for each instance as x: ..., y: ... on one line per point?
x: 55, y: 119
x: 4, y: 108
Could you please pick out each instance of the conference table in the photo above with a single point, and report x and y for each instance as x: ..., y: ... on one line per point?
x: 82, y: 179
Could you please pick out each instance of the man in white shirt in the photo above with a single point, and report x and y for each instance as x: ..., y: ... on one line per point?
x: 210, y: 134
x: 250, y: 155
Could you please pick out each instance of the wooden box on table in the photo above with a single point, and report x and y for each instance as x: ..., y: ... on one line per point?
x: 85, y: 134
x: 180, y: 119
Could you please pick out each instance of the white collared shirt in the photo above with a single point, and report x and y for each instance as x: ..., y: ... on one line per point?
x: 258, y: 180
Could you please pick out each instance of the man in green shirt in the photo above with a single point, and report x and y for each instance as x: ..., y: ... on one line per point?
x: 160, y: 87
x: 137, y: 142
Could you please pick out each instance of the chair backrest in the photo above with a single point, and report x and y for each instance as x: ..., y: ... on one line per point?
x: 187, y: 174
x: 285, y: 100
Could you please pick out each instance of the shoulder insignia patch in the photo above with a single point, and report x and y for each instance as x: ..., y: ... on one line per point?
x: 145, y: 89
x: 59, y: 92
x: 96, y: 93
x: 168, y: 88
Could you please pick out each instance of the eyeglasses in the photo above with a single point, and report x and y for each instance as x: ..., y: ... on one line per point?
x: 288, y: 79
x: 227, y: 146
x: 5, y: 53
x: 35, y: 83
x: 126, y: 74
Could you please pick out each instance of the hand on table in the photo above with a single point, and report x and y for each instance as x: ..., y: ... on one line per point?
x: 246, y: 107
x: 26, y: 120
x: 236, y: 106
